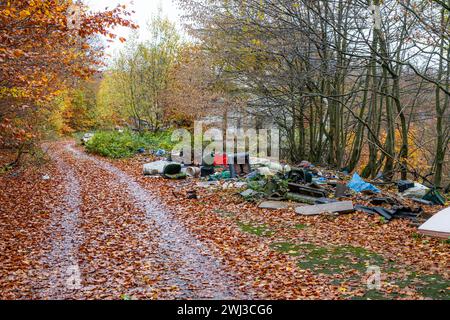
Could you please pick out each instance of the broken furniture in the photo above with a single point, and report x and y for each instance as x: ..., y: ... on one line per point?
x: 424, y: 202
x: 308, y: 191
x: 325, y: 201
x: 386, y: 200
x: 394, y: 213
x: 341, y: 190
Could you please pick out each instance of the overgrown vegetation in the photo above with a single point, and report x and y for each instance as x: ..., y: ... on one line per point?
x: 118, y: 145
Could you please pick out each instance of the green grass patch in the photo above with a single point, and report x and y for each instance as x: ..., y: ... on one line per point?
x: 116, y: 145
x: 6, y: 168
x: 330, y: 260
x: 352, y: 262
x: 258, y: 230
x: 429, y: 286
x: 417, y: 236
x: 291, y: 248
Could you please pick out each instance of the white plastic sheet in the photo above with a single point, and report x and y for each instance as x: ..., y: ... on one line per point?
x: 438, y: 225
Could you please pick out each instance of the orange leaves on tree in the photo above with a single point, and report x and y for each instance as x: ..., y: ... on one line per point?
x: 37, y: 38
x: 46, y: 46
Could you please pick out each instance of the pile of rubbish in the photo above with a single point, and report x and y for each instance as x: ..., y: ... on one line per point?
x: 306, y: 188
x: 86, y: 138
x: 167, y: 169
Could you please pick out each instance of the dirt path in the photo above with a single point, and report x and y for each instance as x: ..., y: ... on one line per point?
x: 61, y: 266
x: 111, y: 238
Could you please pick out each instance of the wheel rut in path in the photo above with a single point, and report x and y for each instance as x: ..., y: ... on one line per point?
x: 188, y: 264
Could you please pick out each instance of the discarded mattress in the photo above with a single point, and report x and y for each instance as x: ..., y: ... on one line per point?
x: 438, y: 226
x: 155, y: 168
x: 162, y: 167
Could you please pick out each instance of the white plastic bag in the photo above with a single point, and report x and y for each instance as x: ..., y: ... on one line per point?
x: 419, y: 191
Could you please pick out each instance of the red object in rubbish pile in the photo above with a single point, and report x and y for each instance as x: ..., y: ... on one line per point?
x: 221, y: 160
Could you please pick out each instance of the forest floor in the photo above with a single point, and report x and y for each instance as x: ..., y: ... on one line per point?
x: 84, y: 227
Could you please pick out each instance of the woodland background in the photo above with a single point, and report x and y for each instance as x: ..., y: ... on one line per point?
x: 344, y: 91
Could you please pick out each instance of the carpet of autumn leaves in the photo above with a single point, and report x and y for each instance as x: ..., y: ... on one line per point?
x: 141, y: 238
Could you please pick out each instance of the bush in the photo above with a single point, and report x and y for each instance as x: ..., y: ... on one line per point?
x: 116, y: 145
x: 156, y: 141
x: 113, y: 144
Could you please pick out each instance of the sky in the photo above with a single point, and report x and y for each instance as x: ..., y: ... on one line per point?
x: 145, y: 9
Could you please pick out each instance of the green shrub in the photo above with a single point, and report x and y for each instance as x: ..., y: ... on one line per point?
x: 113, y: 144
x: 116, y: 145
x: 158, y: 140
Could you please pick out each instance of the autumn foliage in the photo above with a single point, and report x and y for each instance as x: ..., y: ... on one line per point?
x: 45, y: 47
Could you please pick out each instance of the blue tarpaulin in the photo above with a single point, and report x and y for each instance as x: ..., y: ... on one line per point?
x: 359, y: 185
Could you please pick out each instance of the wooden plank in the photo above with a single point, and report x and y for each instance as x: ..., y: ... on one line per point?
x: 308, y: 191
x: 278, y: 205
x: 341, y: 190
x: 301, y: 198
x: 438, y: 225
x: 275, y: 205
x: 435, y: 234
x: 336, y: 207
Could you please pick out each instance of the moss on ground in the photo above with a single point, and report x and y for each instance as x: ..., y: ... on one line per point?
x: 351, y: 264
x: 255, y: 229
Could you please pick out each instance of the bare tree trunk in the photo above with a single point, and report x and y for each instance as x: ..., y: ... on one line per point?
x: 440, y: 110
